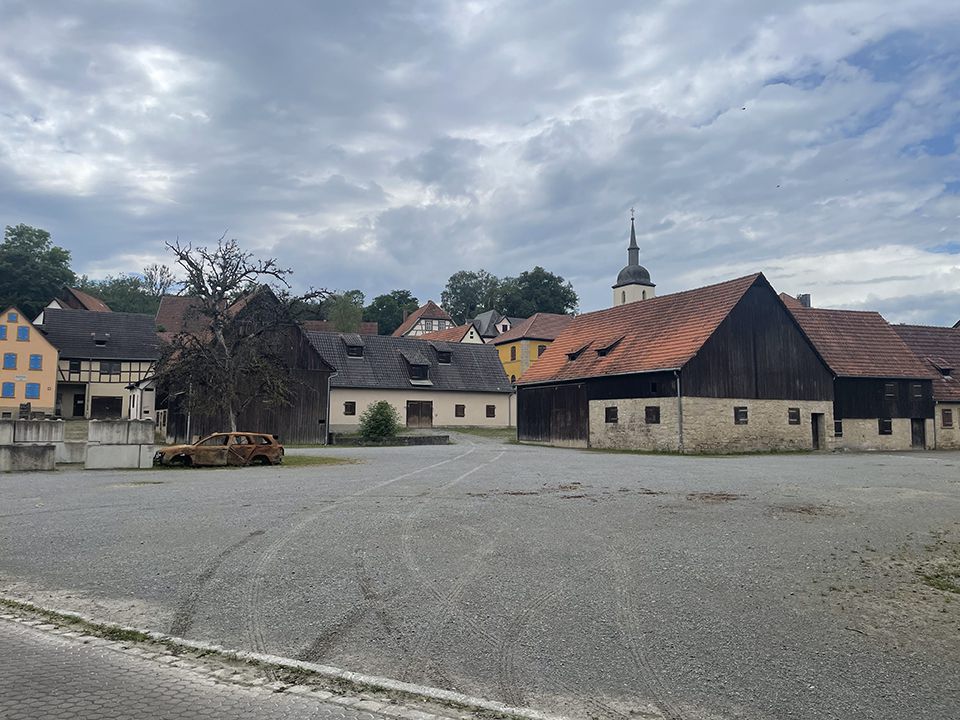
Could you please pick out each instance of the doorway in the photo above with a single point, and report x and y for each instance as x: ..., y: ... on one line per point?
x: 918, y: 434
x: 419, y: 413
x: 79, y: 405
x: 818, y: 430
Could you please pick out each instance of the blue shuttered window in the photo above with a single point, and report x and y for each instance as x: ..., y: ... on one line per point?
x: 33, y: 391
x: 23, y: 333
x: 6, y: 390
x: 36, y: 362
x: 9, y: 361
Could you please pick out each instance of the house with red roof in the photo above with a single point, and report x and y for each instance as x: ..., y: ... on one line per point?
x: 460, y: 334
x: 429, y: 317
x: 882, y: 392
x: 723, y: 368
x: 521, y: 346
x: 939, y: 349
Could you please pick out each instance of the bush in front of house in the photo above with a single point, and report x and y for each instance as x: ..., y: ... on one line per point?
x: 379, y: 420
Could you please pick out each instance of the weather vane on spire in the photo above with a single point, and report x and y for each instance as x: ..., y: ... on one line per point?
x: 631, y: 213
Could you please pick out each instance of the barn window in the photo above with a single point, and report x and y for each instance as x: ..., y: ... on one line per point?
x: 838, y: 428
x: 651, y: 414
x: 884, y: 426
x: 654, y: 387
x: 917, y: 389
x: 793, y: 416
x: 460, y: 410
x: 541, y: 349
x: 946, y: 418
x: 890, y: 390
x: 513, y: 352
x: 739, y: 416
x: 610, y: 414
x: 491, y: 411
x: 349, y: 408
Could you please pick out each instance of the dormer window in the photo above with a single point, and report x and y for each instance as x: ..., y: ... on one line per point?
x: 355, y: 351
x: 607, y: 347
x: 100, y: 343
x: 444, y: 357
x: 577, y: 353
x: 419, y: 372
x: 354, y: 345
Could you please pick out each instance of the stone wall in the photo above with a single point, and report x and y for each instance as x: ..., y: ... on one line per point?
x: 864, y: 434
x: 948, y: 438
x: 708, y: 425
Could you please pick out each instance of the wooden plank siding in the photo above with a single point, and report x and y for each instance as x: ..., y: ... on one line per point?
x: 758, y: 352
x: 556, y: 414
x: 863, y: 398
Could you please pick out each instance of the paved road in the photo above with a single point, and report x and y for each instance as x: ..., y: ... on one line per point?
x: 596, y: 584
x: 44, y: 676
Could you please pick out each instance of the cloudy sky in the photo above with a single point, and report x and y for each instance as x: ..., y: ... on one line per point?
x: 388, y: 145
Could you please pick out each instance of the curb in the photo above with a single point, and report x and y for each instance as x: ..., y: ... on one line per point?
x: 359, y: 681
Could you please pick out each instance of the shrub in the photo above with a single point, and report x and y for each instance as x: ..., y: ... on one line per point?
x: 379, y: 420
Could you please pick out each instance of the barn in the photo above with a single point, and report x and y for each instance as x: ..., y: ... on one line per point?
x: 723, y: 368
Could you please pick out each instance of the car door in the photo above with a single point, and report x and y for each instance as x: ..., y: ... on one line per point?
x: 239, y: 450
x: 210, y: 451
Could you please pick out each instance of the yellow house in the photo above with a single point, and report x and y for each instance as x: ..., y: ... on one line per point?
x: 28, y: 374
x: 520, y: 346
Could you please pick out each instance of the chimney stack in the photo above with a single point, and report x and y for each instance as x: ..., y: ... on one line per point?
x: 804, y: 299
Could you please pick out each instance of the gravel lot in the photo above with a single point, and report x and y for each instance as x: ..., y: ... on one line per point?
x: 581, y: 583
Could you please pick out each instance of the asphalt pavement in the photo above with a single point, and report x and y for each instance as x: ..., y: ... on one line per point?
x: 588, y: 584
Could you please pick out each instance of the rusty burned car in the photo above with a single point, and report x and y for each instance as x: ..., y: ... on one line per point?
x: 232, y: 448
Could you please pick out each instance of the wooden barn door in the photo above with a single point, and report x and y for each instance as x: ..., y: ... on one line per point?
x: 557, y: 414
x: 419, y: 413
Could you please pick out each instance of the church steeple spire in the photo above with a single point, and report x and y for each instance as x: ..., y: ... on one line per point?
x: 633, y: 250
x: 633, y: 282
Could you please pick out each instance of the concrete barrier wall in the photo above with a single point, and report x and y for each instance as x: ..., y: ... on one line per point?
x: 121, y: 432
x: 6, y: 432
x: 109, y: 457
x: 71, y: 451
x: 19, y: 458
x: 38, y: 431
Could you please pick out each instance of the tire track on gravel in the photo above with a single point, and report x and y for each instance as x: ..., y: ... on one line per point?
x: 447, y: 599
x: 253, y: 605
x: 187, y: 608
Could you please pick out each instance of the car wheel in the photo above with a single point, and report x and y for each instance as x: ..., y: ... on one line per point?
x: 261, y: 460
x: 184, y: 460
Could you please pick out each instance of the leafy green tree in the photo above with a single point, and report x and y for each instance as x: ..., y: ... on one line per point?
x: 345, y: 311
x: 536, y: 291
x: 468, y: 293
x: 123, y: 293
x: 380, y: 420
x: 387, y: 310
x: 33, y: 270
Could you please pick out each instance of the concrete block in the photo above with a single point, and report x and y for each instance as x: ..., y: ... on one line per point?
x: 20, y: 458
x: 146, y: 455
x: 140, y: 432
x: 104, y: 457
x: 38, y: 431
x: 6, y: 432
x: 71, y: 451
x: 108, y: 432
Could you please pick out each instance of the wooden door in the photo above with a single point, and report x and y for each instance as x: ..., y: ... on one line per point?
x: 918, y: 435
x: 817, y: 427
x: 419, y: 413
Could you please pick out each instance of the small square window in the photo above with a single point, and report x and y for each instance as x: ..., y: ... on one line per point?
x: 33, y: 391
x: 36, y: 362
x: 885, y: 426
x: 9, y: 361
x: 74, y: 366
x: 355, y: 351
x: 946, y: 418
x: 109, y: 367
x: 890, y: 390
x: 838, y: 428
x: 611, y: 414
x: 6, y: 390
x: 23, y: 333
x: 349, y: 408
x: 917, y: 390
x: 444, y: 357
x: 6, y: 415
x: 491, y: 411
x: 460, y: 410
x: 651, y: 414
x: 419, y: 372
x: 654, y: 387
x: 793, y: 416
x: 739, y: 416
x: 541, y: 349
x: 3, y: 332
x: 12, y: 317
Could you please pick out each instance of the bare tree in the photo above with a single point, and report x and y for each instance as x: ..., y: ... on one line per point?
x: 158, y: 279
x: 236, y: 343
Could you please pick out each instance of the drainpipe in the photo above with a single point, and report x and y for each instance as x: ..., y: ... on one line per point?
x: 326, y: 429
x: 676, y: 374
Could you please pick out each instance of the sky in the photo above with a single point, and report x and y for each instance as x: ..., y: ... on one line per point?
x: 383, y: 145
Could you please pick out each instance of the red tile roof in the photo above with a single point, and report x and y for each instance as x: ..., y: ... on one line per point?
x: 454, y: 334
x: 85, y: 301
x: 429, y: 311
x: 791, y: 302
x: 939, y: 348
x: 658, y: 334
x: 540, y: 326
x: 854, y: 343
x: 179, y: 313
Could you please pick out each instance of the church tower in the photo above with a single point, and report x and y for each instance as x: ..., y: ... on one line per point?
x: 633, y: 282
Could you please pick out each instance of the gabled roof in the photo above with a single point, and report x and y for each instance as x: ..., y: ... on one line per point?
x: 791, y: 302
x: 124, y: 336
x: 541, y: 326
x: 429, y: 311
x: 939, y: 348
x: 855, y: 343
x: 80, y: 300
x: 488, y: 323
x: 366, y: 328
x: 179, y: 313
x: 386, y: 359
x: 454, y: 334
x: 661, y: 333
x: 36, y: 330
